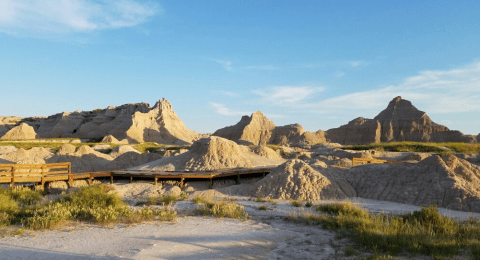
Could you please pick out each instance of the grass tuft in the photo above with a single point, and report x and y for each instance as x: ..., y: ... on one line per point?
x: 263, y: 208
x: 223, y: 209
x: 296, y: 203
x: 199, y: 200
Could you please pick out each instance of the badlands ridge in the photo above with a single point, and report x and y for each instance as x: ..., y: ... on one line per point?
x: 309, y: 165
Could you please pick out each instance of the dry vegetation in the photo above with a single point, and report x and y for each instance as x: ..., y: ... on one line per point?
x: 440, y: 148
x: 92, y: 204
x: 424, y: 232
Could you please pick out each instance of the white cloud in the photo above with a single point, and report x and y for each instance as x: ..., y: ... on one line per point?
x: 65, y: 16
x: 436, y: 92
x: 230, y: 93
x: 224, y: 110
x: 227, y: 65
x: 339, y: 74
x: 287, y: 95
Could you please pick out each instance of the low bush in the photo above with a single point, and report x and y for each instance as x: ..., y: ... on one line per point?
x: 167, y: 199
x: 263, y: 208
x: 224, y: 210
x: 199, y: 200
x: 91, y: 203
x: 308, y: 204
x: 296, y: 203
x: 423, y: 232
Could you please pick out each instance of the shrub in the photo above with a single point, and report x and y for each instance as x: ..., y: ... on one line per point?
x: 260, y: 199
x: 183, y: 196
x: 224, y: 210
x: 199, y: 200
x: 167, y: 199
x: 296, y: 203
x: 263, y: 208
x: 345, y: 208
x: 308, y: 204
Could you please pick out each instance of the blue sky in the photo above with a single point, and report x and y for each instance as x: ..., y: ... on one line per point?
x: 317, y: 63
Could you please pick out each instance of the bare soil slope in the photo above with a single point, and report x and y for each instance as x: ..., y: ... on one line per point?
x: 209, y: 154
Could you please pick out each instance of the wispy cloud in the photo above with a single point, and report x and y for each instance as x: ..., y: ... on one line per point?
x: 339, y: 74
x: 224, y: 110
x: 357, y: 63
x: 287, y: 95
x: 436, y: 92
x: 66, y: 16
x: 230, y: 93
x: 260, y: 67
x: 226, y: 64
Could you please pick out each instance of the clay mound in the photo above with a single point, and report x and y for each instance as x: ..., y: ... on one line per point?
x: 344, y: 163
x: 7, y: 149
x: 66, y: 149
x: 415, y: 156
x: 447, y: 182
x: 121, y: 149
x: 209, y: 154
x: 20, y: 132
x: 265, y: 152
x: 35, y: 155
x: 109, y: 139
x: 87, y: 150
x: 296, y: 180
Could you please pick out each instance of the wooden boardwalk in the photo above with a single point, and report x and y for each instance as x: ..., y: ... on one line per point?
x: 41, y: 174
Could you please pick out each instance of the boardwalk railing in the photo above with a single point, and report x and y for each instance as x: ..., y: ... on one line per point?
x: 39, y: 173
x: 43, y: 173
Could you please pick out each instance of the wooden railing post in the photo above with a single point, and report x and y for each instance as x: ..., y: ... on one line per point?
x: 12, y: 183
x: 43, y: 177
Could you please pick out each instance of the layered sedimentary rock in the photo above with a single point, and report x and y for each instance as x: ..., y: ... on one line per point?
x: 128, y: 123
x: 20, y: 132
x: 162, y: 125
x: 357, y: 131
x: 400, y: 121
x: 257, y: 129
x: 445, y: 181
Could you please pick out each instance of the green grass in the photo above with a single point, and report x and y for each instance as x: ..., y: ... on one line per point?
x: 263, y: 208
x: 423, y: 232
x: 148, y: 146
x: 223, y: 209
x: 308, y: 204
x: 141, y: 147
x: 183, y: 196
x: 418, y: 147
x: 91, y: 204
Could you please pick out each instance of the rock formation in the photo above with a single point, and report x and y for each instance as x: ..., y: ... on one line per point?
x: 162, y: 125
x: 20, y: 132
x: 297, y: 180
x: 400, y: 121
x: 256, y: 129
x: 446, y: 181
x: 209, y: 154
x: 129, y: 123
x: 259, y: 130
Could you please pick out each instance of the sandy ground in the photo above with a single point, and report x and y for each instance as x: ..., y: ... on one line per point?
x: 266, y: 235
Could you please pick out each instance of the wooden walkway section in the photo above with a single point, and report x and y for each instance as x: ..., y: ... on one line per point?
x: 41, y: 174
x: 362, y: 161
